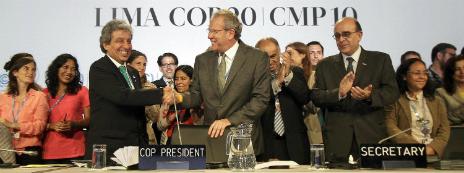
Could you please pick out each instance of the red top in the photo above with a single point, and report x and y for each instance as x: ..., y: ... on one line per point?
x: 173, y: 123
x: 58, y: 145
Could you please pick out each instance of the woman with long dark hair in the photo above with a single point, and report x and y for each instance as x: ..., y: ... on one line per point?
x: 23, y: 108
x: 167, y: 119
x: 69, y: 111
x: 419, y: 109
x: 453, y: 90
x: 298, y: 52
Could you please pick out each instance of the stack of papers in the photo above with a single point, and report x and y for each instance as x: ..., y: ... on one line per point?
x: 291, y: 164
x: 126, y: 156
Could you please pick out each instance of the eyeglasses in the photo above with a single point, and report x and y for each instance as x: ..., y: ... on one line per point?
x: 215, y: 31
x: 168, y: 65
x: 419, y: 73
x: 345, y: 34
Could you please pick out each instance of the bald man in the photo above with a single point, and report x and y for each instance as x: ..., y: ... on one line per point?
x: 289, y: 94
x: 352, y: 89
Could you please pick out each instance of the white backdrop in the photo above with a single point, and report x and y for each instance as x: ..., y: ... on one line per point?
x: 47, y: 28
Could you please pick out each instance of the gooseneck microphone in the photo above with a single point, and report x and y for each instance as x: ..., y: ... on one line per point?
x: 30, y: 153
x: 392, y: 136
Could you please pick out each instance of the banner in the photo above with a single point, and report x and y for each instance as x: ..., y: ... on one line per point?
x: 48, y: 28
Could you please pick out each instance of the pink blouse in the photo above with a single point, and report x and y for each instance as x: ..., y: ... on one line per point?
x: 31, y: 116
x: 69, y: 144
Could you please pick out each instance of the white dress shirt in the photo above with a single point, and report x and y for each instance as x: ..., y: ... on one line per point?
x: 229, y: 58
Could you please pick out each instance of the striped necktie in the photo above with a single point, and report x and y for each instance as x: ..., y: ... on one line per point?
x: 278, y: 121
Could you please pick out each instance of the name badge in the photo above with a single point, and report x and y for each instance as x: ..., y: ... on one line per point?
x: 172, y: 157
x: 16, y: 135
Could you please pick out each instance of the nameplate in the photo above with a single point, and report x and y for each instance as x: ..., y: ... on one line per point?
x: 172, y: 157
x: 376, y: 155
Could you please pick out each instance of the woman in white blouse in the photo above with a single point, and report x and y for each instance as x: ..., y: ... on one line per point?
x: 419, y: 109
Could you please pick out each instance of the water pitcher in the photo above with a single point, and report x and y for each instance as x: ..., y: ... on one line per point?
x: 240, y: 148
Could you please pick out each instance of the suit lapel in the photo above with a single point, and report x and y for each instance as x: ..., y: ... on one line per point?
x: 132, y: 75
x: 361, y: 69
x: 116, y: 71
x: 404, y: 103
x: 237, y: 64
x: 433, y: 108
x: 340, y: 66
x: 213, y: 68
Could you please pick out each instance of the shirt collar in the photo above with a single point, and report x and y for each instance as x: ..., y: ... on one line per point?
x: 232, y: 51
x: 355, y: 55
x: 166, y: 80
x: 419, y: 96
x: 116, y: 63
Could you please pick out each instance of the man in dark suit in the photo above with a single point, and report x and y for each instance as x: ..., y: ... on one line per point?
x: 116, y: 96
x: 231, y: 79
x: 167, y: 63
x: 284, y: 131
x: 352, y: 88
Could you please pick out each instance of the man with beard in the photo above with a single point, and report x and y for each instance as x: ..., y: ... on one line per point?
x: 167, y: 63
x: 440, y: 55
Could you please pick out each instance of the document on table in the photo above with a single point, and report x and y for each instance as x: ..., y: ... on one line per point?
x: 291, y: 164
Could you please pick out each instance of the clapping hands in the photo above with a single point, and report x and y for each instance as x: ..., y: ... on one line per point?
x: 359, y: 93
x: 346, y: 84
x: 285, y: 67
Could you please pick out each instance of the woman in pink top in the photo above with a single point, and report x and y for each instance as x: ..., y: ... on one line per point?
x: 24, y: 109
x: 69, y: 111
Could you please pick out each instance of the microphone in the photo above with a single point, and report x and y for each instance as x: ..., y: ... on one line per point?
x: 30, y: 153
x: 392, y: 136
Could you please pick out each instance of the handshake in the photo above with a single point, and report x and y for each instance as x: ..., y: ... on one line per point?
x: 170, y: 96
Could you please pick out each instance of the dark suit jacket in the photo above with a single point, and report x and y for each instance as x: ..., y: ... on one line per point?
x: 399, y: 118
x: 118, y: 117
x: 348, y: 117
x: 160, y: 83
x: 246, y: 92
x: 291, y: 99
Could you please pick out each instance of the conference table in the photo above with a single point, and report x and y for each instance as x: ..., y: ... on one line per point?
x: 297, y: 169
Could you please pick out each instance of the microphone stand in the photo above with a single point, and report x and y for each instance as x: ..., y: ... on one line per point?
x: 30, y: 153
x: 392, y: 136
x: 177, y: 116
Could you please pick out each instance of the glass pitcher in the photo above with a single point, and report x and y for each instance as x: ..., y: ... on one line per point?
x: 240, y: 148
